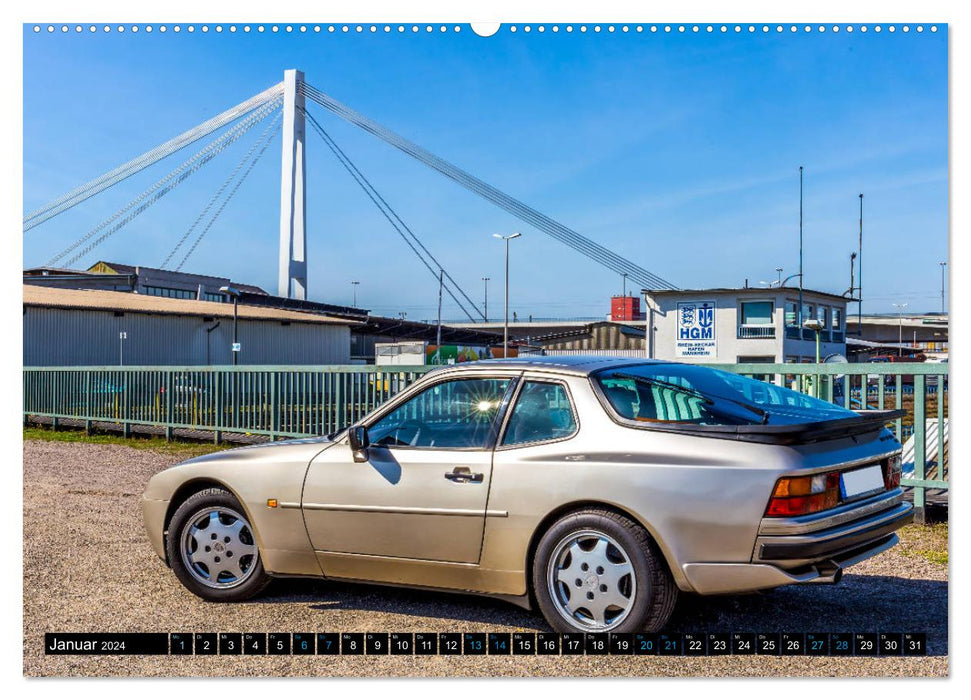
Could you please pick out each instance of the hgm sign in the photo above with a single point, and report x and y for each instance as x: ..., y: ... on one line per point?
x: 696, y: 329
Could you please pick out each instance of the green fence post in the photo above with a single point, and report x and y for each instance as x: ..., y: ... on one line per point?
x: 920, y: 445
x: 168, y: 406
x: 274, y: 419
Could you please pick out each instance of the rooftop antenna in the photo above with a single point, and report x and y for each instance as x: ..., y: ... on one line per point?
x: 799, y: 313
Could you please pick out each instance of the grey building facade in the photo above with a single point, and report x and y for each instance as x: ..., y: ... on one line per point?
x: 98, y: 328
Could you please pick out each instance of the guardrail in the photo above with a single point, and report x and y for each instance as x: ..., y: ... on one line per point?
x: 299, y: 401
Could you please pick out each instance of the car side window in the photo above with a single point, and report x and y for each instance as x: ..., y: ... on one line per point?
x: 543, y: 412
x: 449, y: 415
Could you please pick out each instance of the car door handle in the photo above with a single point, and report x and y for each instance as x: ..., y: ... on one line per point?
x: 464, y: 475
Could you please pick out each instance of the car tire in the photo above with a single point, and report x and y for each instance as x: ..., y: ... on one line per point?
x: 595, y: 570
x: 212, y: 548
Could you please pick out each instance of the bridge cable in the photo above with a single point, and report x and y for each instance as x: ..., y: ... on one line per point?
x: 126, y: 170
x: 266, y: 137
x: 575, y: 240
x: 367, y: 186
x: 553, y: 228
x: 222, y: 188
x: 583, y: 245
x: 161, y: 188
x: 391, y: 216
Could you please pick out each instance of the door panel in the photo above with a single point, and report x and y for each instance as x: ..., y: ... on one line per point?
x: 422, y: 493
x: 398, y: 504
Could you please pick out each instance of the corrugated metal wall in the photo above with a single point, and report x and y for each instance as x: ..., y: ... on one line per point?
x: 601, y: 337
x: 74, y: 337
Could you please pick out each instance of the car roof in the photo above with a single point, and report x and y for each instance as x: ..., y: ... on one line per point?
x: 582, y: 365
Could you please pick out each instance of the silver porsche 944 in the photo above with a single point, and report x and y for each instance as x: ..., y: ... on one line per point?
x: 593, y: 489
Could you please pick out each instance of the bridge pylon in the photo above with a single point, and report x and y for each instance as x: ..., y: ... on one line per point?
x: 293, y: 189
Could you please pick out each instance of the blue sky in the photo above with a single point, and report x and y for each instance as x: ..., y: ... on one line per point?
x: 677, y: 151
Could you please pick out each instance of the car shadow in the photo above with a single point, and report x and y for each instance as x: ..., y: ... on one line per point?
x: 859, y: 603
x: 428, y: 607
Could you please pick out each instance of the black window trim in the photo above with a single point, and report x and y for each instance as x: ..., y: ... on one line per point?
x: 512, y: 407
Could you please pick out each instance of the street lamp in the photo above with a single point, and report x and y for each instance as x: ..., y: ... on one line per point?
x: 505, y: 327
x: 779, y: 276
x: 354, y: 287
x: 900, y: 331
x: 234, y: 293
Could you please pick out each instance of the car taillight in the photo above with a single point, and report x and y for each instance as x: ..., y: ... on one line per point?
x: 801, y: 495
x: 891, y: 472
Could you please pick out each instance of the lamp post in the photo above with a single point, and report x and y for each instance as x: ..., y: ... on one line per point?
x: 505, y: 326
x: 485, y: 310
x: 778, y: 280
x: 900, y: 328
x: 234, y: 293
x: 354, y: 284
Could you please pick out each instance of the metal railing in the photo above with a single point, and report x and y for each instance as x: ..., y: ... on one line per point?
x: 756, y: 331
x: 299, y: 401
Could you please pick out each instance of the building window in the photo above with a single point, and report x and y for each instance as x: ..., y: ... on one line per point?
x: 170, y: 292
x: 791, y: 320
x: 836, y: 324
x: 808, y: 312
x: 755, y: 319
x: 210, y: 296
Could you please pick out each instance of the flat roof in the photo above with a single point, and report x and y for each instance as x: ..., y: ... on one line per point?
x: 101, y: 300
x: 745, y: 290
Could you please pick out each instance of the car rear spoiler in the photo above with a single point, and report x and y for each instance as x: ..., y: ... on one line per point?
x: 796, y: 433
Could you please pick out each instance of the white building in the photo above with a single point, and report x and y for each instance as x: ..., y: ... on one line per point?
x: 743, y: 325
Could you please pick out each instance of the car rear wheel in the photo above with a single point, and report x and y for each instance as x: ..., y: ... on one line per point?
x: 212, y: 548
x: 598, y: 571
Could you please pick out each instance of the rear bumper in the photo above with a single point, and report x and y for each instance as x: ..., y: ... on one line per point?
x: 796, y: 542
x: 808, y: 549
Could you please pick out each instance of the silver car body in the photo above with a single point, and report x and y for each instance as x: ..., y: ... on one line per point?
x: 395, y: 520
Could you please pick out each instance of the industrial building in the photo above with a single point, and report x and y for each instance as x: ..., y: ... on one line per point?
x: 65, y: 327
x: 748, y: 324
x: 150, y: 281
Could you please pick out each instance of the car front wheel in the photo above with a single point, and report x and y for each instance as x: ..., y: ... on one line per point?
x: 598, y: 571
x: 212, y: 548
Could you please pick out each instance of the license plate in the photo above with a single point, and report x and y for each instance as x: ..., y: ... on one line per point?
x: 860, y: 481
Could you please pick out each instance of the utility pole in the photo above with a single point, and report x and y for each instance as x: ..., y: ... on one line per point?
x: 799, y: 320
x: 943, y: 278
x: 293, y: 203
x: 438, y: 337
x: 505, y: 326
x: 485, y: 313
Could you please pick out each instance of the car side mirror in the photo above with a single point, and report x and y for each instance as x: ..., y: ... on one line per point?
x: 358, y: 438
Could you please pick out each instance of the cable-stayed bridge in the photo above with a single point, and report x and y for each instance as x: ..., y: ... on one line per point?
x: 282, y: 109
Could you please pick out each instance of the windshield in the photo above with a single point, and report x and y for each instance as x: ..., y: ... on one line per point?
x: 678, y: 393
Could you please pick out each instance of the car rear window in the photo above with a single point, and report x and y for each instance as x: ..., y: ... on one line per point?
x: 677, y: 393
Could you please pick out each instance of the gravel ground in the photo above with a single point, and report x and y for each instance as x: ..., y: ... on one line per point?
x: 88, y: 566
